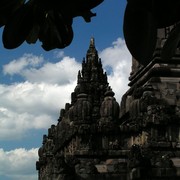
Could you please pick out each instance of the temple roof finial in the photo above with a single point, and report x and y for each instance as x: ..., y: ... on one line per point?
x: 92, y: 42
x: 92, y: 48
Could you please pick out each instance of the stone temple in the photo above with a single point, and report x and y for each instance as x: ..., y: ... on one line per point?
x: 97, y: 138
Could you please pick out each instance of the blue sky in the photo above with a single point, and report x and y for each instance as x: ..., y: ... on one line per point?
x: 35, y: 85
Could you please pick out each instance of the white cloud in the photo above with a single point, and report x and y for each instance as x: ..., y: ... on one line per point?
x: 118, y: 59
x: 58, y: 54
x: 28, y: 66
x: 18, y: 65
x: 35, y: 103
x: 62, y: 72
x: 26, y: 106
x: 19, y: 164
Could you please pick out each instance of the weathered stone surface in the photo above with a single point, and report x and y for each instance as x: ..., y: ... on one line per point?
x: 96, y: 139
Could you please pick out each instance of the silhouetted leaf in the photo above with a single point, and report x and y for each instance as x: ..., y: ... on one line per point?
x: 7, y: 8
x: 48, y: 21
x: 83, y: 8
x: 33, y: 34
x: 18, y: 27
x: 55, y: 33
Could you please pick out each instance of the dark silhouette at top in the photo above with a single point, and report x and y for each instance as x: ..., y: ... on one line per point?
x: 142, y: 18
x: 49, y: 21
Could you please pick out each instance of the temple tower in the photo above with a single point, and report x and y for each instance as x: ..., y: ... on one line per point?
x: 96, y: 139
x: 86, y: 137
x: 149, y: 115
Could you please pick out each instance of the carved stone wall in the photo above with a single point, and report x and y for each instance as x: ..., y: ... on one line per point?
x: 150, y: 118
x: 96, y: 138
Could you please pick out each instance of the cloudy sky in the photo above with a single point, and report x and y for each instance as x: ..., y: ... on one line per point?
x: 35, y: 85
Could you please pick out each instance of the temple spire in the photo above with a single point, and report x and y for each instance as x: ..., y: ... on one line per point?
x: 92, y: 43
x: 92, y: 53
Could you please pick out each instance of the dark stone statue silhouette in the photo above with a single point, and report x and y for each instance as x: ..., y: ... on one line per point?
x: 51, y: 23
x: 47, y: 21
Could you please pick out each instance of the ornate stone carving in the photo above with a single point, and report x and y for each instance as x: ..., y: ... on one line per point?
x: 82, y: 109
x: 109, y: 110
x: 92, y: 141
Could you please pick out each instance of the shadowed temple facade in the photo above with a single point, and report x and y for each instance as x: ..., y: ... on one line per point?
x: 98, y: 138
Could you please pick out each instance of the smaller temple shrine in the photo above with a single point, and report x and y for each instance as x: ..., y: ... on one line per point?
x: 85, y: 143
